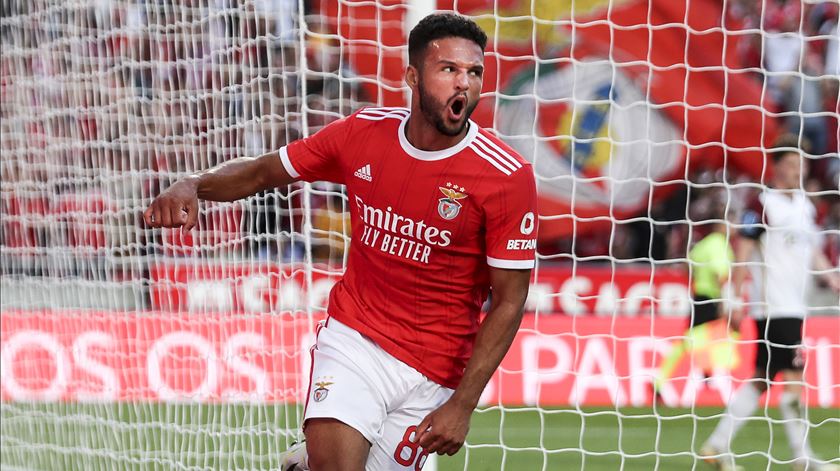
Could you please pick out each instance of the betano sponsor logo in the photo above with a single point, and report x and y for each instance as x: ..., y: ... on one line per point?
x: 522, y: 244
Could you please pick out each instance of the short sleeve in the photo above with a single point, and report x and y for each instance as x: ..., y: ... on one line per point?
x: 511, y: 222
x: 752, y: 221
x: 318, y: 157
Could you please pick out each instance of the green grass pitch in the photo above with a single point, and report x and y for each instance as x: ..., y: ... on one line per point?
x: 147, y: 436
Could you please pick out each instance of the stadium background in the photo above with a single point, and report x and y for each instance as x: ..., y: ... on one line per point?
x: 130, y: 348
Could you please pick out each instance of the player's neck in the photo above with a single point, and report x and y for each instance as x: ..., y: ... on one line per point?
x: 424, y: 135
x: 785, y: 190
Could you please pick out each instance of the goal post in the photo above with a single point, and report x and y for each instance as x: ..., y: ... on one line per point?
x: 647, y: 123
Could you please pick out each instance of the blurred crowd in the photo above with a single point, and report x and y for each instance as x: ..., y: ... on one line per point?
x: 793, y: 48
x: 104, y: 105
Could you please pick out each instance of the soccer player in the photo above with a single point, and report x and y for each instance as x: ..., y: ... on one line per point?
x: 779, y: 229
x: 442, y: 212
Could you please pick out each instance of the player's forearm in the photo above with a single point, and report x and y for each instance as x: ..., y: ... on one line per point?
x: 739, y: 274
x: 825, y: 270
x: 743, y: 254
x: 821, y: 263
x: 240, y: 178
x: 492, y: 343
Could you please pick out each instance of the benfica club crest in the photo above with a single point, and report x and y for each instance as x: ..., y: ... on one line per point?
x: 321, y: 390
x: 449, y: 207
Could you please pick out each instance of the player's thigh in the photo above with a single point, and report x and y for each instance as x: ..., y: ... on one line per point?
x: 762, y: 353
x: 779, y: 346
x: 334, y: 445
x: 397, y: 450
x: 344, y: 384
x: 785, y: 339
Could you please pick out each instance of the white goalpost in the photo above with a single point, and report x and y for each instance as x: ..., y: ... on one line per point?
x: 648, y: 124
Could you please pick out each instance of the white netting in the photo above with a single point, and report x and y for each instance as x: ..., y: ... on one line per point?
x: 125, y: 347
x: 103, y: 105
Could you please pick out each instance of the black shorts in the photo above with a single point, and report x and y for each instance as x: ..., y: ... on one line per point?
x: 779, y: 346
x: 705, y: 310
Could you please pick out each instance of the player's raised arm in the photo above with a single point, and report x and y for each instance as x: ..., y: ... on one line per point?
x: 312, y: 158
x: 232, y: 180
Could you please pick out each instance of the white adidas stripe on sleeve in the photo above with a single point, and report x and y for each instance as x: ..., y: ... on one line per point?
x: 496, y: 156
x: 287, y: 164
x: 498, y: 150
x: 378, y: 114
x: 510, y: 264
x: 490, y: 159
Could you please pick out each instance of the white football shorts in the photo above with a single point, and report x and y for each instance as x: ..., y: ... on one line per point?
x: 357, y: 382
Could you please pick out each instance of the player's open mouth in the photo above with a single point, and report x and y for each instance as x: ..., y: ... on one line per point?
x: 456, y: 108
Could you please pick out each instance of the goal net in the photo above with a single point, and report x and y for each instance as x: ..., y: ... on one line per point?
x: 647, y: 123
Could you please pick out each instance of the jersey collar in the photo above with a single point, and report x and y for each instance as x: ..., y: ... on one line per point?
x: 435, y: 154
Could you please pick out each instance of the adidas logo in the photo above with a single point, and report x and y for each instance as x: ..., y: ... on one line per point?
x: 364, y: 173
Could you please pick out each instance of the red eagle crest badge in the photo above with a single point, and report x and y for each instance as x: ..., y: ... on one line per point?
x: 450, y: 207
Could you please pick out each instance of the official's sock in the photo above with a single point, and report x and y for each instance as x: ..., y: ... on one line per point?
x: 741, y: 407
x: 796, y: 426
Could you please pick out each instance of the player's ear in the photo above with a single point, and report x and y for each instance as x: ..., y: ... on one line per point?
x: 411, y: 76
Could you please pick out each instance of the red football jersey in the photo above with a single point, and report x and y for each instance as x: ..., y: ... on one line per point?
x: 425, y: 227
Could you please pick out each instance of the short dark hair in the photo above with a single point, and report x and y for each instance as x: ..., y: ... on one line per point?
x: 787, y: 144
x: 438, y: 26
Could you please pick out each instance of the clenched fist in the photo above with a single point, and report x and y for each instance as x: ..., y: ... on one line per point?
x: 177, y: 206
x: 444, y: 430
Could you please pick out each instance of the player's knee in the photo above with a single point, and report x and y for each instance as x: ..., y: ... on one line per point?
x: 334, y: 446
x: 318, y: 459
x: 793, y: 388
x: 760, y: 381
x: 790, y: 399
x: 321, y: 458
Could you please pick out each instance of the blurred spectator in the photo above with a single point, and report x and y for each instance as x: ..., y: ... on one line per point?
x: 331, y: 224
x: 332, y: 90
x: 792, y: 70
x: 797, y: 47
x: 832, y: 49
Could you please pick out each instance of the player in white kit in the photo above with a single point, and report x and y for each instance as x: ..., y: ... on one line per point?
x: 780, y: 242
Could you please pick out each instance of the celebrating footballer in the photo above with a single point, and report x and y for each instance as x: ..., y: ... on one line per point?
x: 443, y: 213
